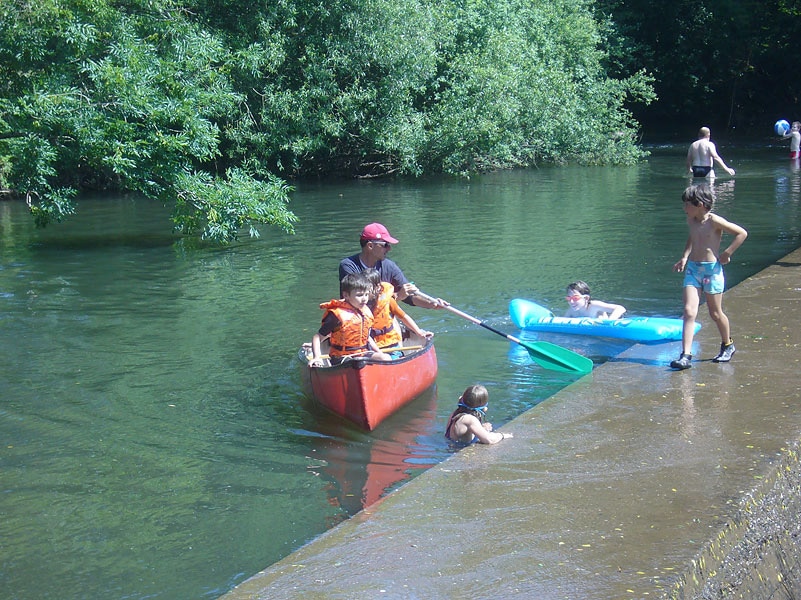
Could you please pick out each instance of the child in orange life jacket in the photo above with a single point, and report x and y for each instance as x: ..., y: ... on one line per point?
x: 467, y: 425
x: 348, y: 322
x: 386, y: 332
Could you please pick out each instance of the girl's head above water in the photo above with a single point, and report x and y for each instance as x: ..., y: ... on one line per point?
x: 475, y: 396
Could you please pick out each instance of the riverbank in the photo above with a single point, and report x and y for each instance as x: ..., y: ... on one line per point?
x: 691, y: 488
x: 756, y: 555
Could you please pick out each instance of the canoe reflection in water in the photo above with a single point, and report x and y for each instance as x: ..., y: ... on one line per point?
x: 363, y: 467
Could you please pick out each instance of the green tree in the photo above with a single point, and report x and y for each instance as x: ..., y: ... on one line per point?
x: 726, y: 63
x: 341, y: 96
x: 376, y: 87
x: 523, y: 83
x: 209, y: 105
x: 100, y: 98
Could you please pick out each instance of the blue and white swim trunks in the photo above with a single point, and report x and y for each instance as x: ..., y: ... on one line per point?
x: 705, y: 275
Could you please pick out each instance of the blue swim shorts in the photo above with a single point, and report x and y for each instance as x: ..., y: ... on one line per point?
x: 707, y: 276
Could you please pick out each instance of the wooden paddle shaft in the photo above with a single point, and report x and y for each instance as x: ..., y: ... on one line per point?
x: 471, y: 318
x: 545, y: 354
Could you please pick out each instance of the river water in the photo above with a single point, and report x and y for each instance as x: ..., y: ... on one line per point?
x: 155, y: 441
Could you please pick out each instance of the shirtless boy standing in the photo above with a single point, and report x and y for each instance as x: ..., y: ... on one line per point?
x: 701, y: 155
x: 704, y: 262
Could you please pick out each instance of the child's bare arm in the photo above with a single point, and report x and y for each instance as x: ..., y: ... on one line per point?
x: 407, y: 320
x: 411, y: 324
x: 316, y: 361
x: 617, y: 312
x: 682, y: 262
x: 734, y: 230
x: 485, y: 435
x: 613, y: 311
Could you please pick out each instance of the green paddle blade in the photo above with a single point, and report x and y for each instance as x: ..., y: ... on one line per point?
x: 545, y: 354
x: 557, y: 358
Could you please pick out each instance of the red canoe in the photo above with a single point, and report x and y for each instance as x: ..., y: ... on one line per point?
x: 367, y: 392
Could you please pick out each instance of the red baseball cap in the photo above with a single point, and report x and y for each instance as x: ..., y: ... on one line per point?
x: 376, y: 231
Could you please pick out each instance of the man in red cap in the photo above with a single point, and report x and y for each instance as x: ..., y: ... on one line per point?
x: 376, y: 242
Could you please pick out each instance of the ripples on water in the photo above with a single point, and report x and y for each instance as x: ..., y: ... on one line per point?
x: 155, y: 440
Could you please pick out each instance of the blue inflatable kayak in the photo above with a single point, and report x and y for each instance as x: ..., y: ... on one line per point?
x: 530, y: 316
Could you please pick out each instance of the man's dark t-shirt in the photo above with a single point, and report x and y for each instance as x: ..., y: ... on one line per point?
x: 389, y: 271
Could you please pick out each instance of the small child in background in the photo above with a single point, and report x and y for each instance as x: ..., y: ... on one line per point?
x: 466, y: 423
x: 348, y: 322
x: 795, y: 140
x: 385, y: 308
x: 582, y: 305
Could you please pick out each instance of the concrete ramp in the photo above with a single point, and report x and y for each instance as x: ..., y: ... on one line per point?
x: 634, y: 482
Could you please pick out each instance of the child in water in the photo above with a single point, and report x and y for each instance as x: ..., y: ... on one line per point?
x: 795, y: 140
x: 582, y: 305
x: 466, y: 424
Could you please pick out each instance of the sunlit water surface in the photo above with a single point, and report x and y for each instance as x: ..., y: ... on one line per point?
x: 155, y: 441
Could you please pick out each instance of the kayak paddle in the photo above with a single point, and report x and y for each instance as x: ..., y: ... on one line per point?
x: 545, y: 354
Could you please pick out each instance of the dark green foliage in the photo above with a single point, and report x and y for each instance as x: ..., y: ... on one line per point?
x: 525, y: 84
x: 232, y: 203
x: 724, y: 63
x: 100, y: 98
x: 379, y: 87
x: 206, y: 104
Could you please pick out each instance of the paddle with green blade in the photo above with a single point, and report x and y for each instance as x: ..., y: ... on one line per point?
x: 545, y: 354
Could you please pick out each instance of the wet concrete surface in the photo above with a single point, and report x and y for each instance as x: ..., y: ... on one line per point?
x: 634, y: 482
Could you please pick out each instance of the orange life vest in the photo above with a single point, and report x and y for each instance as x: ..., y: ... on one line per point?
x: 385, y: 330
x: 354, y: 330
